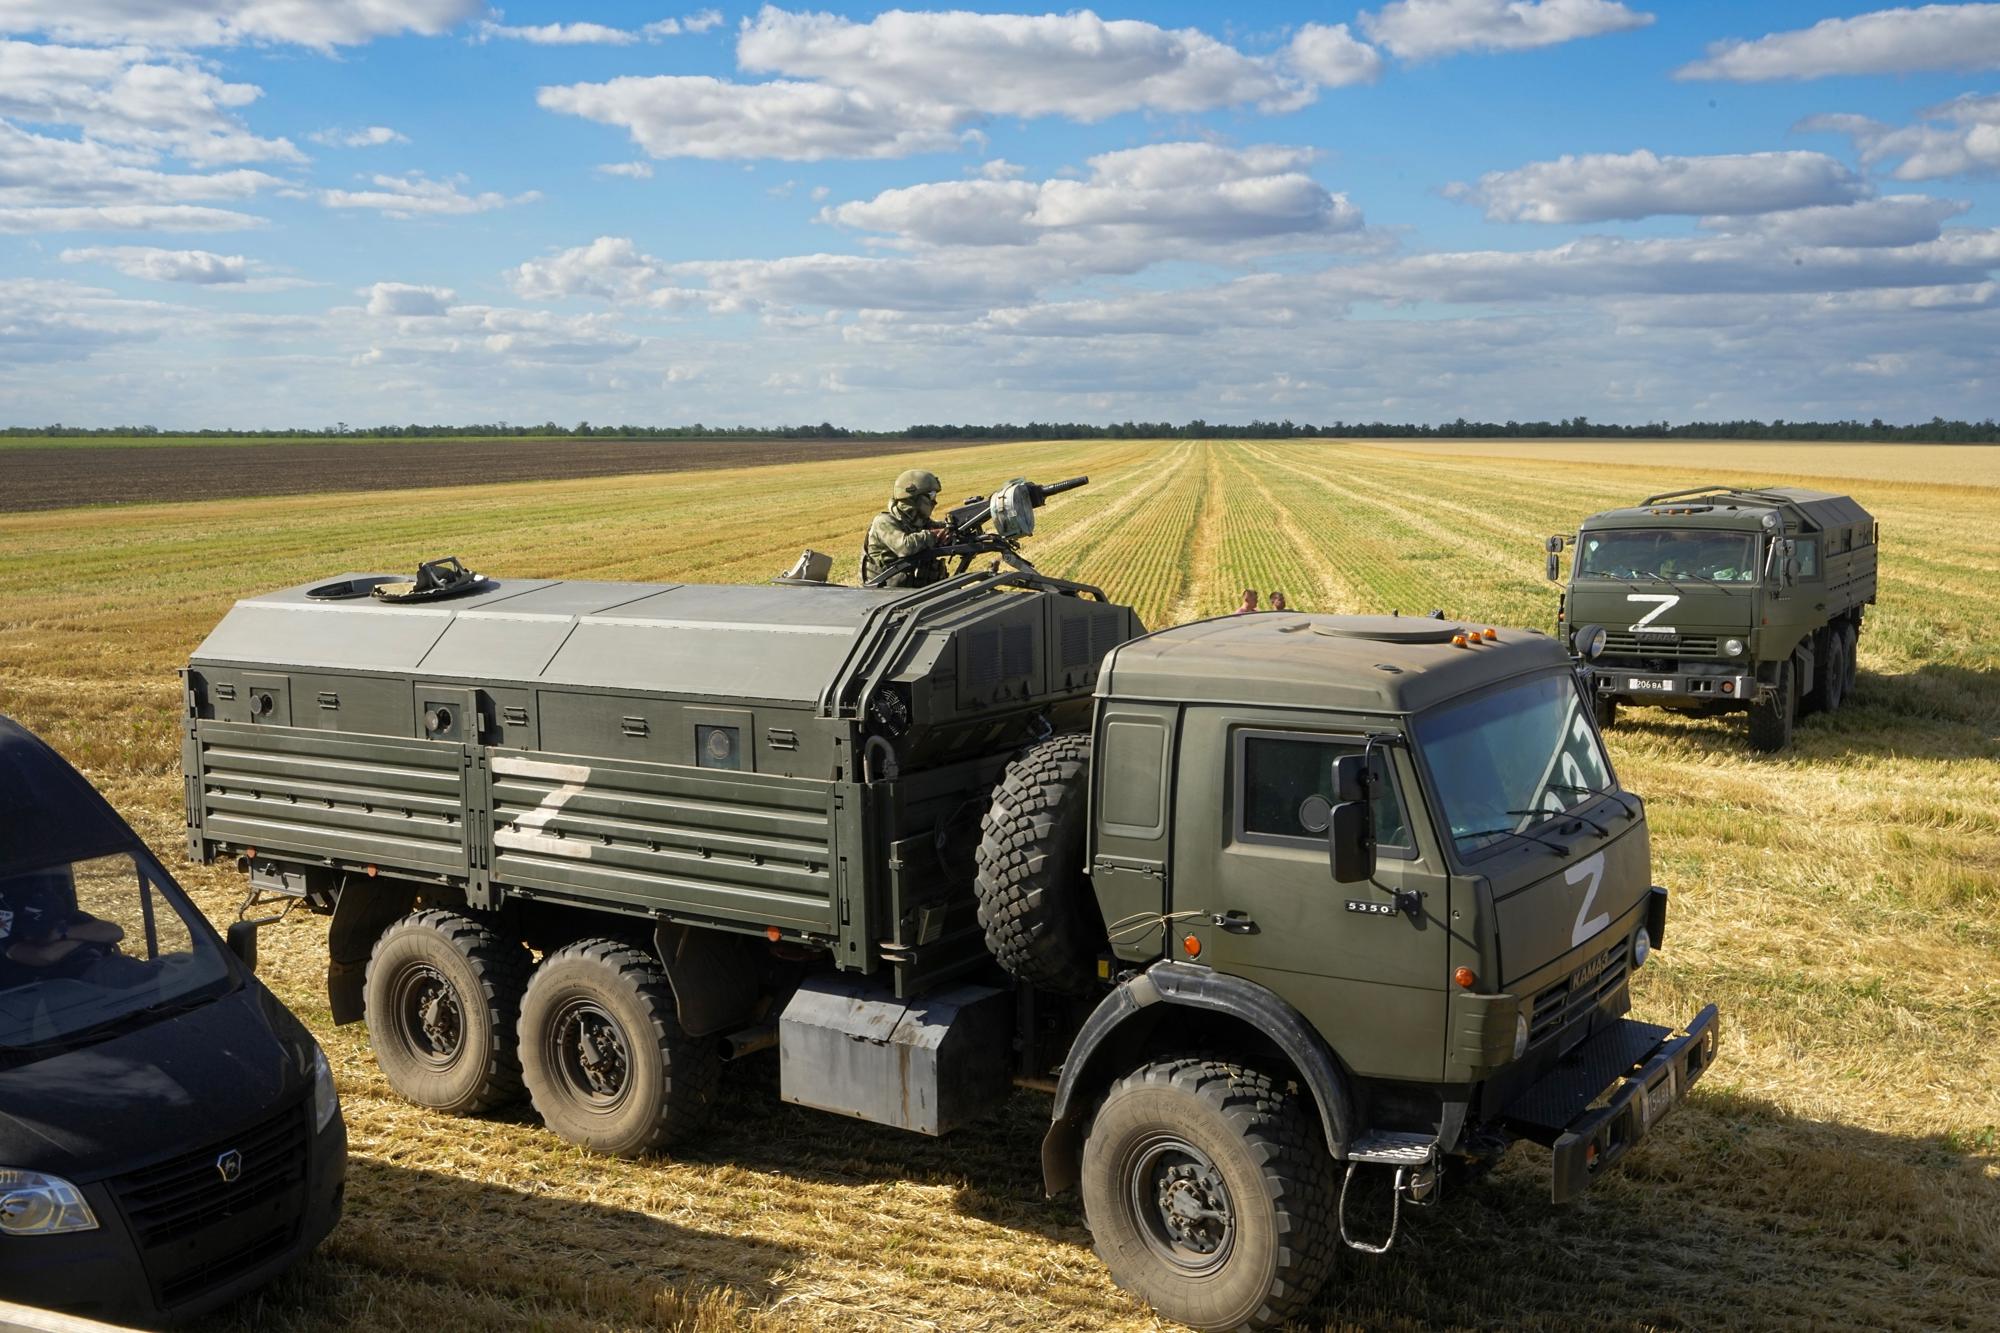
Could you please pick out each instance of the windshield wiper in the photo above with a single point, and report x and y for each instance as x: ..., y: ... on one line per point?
x: 1555, y: 847
x: 1618, y: 796
x: 1547, y: 815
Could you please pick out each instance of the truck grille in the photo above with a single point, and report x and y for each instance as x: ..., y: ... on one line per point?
x: 1562, y: 1003
x: 195, y: 1229
x: 1683, y: 647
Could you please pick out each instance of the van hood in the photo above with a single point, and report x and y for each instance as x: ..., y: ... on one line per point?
x: 104, y: 1108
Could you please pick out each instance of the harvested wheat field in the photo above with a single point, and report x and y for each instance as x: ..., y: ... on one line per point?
x: 1840, y: 1167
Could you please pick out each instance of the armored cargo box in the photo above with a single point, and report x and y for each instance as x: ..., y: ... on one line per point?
x: 805, y: 762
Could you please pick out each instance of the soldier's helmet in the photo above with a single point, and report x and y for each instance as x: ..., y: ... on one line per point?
x: 913, y: 484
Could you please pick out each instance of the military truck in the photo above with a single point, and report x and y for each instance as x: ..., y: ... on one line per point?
x: 1281, y: 908
x: 1717, y: 600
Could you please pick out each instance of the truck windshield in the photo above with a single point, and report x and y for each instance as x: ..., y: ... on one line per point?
x: 90, y: 945
x: 1668, y: 553
x: 1502, y: 762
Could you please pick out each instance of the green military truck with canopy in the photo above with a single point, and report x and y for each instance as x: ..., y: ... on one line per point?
x: 1281, y: 908
x: 1717, y: 600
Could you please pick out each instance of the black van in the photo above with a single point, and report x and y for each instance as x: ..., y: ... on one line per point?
x: 169, y: 1133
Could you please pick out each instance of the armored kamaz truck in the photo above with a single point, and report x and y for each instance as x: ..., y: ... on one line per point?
x: 1279, y: 907
x: 1718, y: 600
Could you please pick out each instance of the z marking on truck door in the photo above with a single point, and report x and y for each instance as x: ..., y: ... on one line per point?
x: 1591, y: 870
x: 1644, y: 624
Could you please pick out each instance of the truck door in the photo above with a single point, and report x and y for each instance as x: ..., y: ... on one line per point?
x: 1254, y: 890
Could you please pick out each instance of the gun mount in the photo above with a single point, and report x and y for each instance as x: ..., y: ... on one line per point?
x: 965, y: 534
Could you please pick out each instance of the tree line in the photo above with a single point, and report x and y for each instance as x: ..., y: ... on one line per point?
x: 1935, y: 431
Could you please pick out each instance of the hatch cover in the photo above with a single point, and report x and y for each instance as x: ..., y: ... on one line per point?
x: 1389, y: 629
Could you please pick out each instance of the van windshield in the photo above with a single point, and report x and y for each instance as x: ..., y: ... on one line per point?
x: 89, y: 944
x: 1668, y: 553
x: 1503, y: 762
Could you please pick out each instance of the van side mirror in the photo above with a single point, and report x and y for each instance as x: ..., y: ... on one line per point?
x: 242, y: 938
x: 1555, y: 568
x: 1350, y: 830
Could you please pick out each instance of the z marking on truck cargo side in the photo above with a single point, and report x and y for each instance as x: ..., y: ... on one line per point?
x: 524, y: 833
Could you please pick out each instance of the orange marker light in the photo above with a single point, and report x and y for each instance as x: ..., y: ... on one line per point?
x: 1458, y: 641
x: 773, y: 934
x: 1491, y: 633
x: 1192, y: 945
x: 1464, y: 977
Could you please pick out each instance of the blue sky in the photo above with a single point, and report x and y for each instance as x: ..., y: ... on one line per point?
x: 261, y: 213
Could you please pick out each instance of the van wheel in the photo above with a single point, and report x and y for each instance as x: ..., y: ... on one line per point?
x: 1209, y: 1194
x: 605, y: 1060
x: 443, y: 992
x: 1035, y: 904
x: 1772, y: 717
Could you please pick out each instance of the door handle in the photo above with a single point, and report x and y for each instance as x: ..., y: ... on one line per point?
x: 1236, y: 923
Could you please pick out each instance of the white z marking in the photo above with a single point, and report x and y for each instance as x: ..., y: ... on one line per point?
x: 1644, y: 624
x: 1593, y: 871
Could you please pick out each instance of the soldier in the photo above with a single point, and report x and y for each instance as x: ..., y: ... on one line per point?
x: 904, y: 531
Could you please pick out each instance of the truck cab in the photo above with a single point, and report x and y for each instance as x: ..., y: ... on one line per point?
x: 1721, y: 600
x: 1386, y: 861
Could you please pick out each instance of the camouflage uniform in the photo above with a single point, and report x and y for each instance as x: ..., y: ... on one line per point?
x: 904, y: 530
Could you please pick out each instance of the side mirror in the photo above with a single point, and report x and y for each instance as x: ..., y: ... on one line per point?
x: 1350, y: 831
x: 242, y: 938
x: 1553, y: 545
x: 1555, y: 568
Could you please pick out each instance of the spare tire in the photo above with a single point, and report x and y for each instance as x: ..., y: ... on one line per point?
x: 1035, y: 902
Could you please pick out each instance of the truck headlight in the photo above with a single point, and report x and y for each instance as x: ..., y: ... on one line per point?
x: 1732, y: 647
x: 326, y: 1102
x: 32, y: 1204
x: 1642, y: 948
x: 1520, y: 1035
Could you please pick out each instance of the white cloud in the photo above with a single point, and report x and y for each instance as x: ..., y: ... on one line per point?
x: 127, y: 96
x: 42, y: 169
x: 610, y: 267
x: 1075, y: 65
x: 1426, y: 29
x: 638, y: 171
x: 370, y: 136
x: 998, y: 169
x: 1898, y: 220
x: 1332, y: 56
x: 202, y: 267
x: 1963, y: 139
x: 1598, y: 187
x: 1887, y: 41
x: 414, y: 194
x: 123, y: 217
x: 406, y: 300
x: 702, y: 20
x: 319, y: 24
x: 555, y: 34
x: 1140, y: 204
x: 697, y: 116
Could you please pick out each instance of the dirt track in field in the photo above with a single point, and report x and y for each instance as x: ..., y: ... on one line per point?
x: 59, y: 478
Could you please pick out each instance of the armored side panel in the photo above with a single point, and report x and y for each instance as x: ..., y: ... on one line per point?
x: 805, y: 760
x: 928, y: 1065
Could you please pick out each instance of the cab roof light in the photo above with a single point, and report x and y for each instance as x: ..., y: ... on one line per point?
x: 1490, y: 634
x: 1458, y: 641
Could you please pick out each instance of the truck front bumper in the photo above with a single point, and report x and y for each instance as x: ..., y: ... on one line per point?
x: 1635, y: 684
x: 1608, y: 1094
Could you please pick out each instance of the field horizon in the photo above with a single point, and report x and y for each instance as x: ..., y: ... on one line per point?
x: 1840, y: 1166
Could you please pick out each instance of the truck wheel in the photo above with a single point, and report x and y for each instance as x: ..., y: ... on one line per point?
x: 443, y: 992
x: 1833, y: 685
x: 1771, y: 718
x: 1606, y: 709
x: 1035, y: 904
x: 1209, y: 1194
x: 604, y: 1058
x: 1852, y: 634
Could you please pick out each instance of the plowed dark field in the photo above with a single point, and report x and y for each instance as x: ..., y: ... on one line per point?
x: 57, y: 478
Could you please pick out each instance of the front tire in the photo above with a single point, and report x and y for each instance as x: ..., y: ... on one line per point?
x: 1773, y: 717
x: 604, y: 1057
x: 443, y: 993
x: 1210, y: 1194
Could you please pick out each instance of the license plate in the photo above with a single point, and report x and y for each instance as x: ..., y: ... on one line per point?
x: 1661, y: 683
x: 1660, y: 1098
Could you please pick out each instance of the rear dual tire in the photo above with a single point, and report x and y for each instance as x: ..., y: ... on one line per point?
x: 443, y: 994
